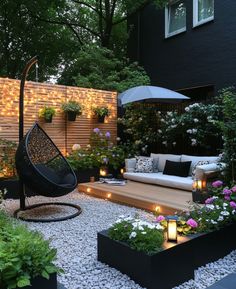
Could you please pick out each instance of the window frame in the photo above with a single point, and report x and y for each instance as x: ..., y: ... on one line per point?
x: 167, y: 21
x: 195, y: 15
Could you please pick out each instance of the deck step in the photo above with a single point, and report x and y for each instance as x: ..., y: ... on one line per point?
x: 228, y: 282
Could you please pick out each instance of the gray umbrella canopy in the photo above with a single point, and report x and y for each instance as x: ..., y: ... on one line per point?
x: 150, y: 93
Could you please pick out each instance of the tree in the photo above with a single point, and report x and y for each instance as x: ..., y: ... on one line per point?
x: 93, y: 20
x: 23, y: 37
x: 97, y: 67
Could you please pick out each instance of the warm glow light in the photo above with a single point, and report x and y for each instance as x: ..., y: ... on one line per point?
x: 172, y: 230
x: 103, y: 172
x: 122, y: 171
x: 88, y: 190
x: 109, y: 195
x: 157, y: 209
x: 199, y: 185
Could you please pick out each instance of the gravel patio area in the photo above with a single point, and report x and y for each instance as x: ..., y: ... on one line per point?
x: 76, y: 242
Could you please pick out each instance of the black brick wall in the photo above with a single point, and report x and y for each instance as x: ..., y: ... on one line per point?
x: 205, y: 55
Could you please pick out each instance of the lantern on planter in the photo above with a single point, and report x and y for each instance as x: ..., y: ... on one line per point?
x: 199, y: 192
x: 172, y: 229
x: 103, y: 171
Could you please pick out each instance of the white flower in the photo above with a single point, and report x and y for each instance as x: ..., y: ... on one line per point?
x: 217, y: 207
x: 76, y: 147
x: 221, y: 218
x: 173, y: 126
x: 233, y: 212
x: 159, y: 130
x: 210, y: 206
x: 213, y: 222
x: 193, y: 142
x: 187, y: 109
x: 164, y: 143
x: 174, y: 143
x: 225, y: 213
x: 194, y: 130
x: 195, y: 120
x: 138, y: 141
x: 162, y: 120
x: 225, y: 204
x: 144, y: 233
x: 141, y: 228
x: 159, y: 227
x: 189, y: 131
x: 132, y: 235
x: 118, y: 138
x: 140, y: 119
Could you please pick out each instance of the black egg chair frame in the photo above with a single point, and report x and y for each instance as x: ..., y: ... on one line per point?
x: 41, y: 166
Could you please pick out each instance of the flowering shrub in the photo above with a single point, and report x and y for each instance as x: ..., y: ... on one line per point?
x: 138, y: 234
x: 100, y: 152
x: 219, y: 210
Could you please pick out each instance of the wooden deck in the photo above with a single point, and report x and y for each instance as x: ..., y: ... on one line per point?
x: 149, y: 197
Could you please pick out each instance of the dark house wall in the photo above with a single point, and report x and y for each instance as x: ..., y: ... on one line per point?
x: 204, y: 55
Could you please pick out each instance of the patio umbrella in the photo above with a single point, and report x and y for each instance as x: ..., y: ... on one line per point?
x: 150, y: 93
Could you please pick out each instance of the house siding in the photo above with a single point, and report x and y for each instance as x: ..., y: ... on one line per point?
x: 204, y: 55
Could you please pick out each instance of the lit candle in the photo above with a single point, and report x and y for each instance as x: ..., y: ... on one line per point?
x: 172, y: 229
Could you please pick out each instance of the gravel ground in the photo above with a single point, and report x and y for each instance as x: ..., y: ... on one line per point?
x: 76, y: 242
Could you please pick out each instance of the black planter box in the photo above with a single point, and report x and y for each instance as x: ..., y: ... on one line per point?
x: 170, y: 267
x: 84, y: 175
x: 12, y: 186
x: 42, y: 283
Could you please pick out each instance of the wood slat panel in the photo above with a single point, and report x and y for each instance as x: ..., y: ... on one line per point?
x: 63, y: 133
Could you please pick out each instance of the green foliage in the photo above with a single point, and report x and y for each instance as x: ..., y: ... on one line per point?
x: 23, y: 255
x: 7, y: 158
x: 82, y: 159
x: 47, y: 112
x: 97, y: 67
x: 228, y: 129
x: 72, y: 106
x: 101, y: 110
x: 139, y: 235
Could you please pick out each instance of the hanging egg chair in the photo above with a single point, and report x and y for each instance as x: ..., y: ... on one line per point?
x: 41, y: 166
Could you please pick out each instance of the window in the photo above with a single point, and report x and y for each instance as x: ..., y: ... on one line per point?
x: 175, y: 18
x: 203, y: 11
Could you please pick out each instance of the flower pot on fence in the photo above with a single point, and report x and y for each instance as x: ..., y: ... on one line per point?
x: 83, y: 175
x: 48, y: 120
x: 101, y: 118
x: 71, y: 115
x: 172, y: 266
x: 12, y: 186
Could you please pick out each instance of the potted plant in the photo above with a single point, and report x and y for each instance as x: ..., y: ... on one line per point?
x: 72, y: 109
x: 27, y: 260
x: 101, y: 113
x: 47, y: 112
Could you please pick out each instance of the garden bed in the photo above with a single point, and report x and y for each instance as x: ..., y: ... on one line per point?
x: 12, y: 186
x: 170, y: 267
x: 40, y: 282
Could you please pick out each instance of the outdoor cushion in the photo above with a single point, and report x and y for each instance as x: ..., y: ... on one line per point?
x: 196, y: 159
x: 48, y: 173
x: 200, y: 163
x: 144, y: 165
x: 149, y: 178
x: 180, y: 169
x: 213, y: 167
x: 130, y: 165
x: 183, y: 183
x: 155, y: 162
x: 162, y: 159
x: 68, y: 179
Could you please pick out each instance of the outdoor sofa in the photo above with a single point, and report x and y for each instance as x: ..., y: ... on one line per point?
x: 200, y: 167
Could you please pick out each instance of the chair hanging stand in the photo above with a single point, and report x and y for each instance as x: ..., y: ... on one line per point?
x: 40, y: 165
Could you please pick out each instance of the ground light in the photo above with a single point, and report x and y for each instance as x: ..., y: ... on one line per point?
x: 172, y: 229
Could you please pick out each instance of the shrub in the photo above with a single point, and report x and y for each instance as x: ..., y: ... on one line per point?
x: 23, y: 255
x: 101, y: 111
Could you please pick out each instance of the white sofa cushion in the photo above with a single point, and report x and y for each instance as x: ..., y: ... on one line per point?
x: 196, y: 159
x: 130, y: 165
x: 162, y: 159
x: 183, y: 183
x: 213, y: 167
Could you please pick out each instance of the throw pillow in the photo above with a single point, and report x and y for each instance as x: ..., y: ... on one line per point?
x: 144, y: 165
x: 199, y: 163
x: 180, y: 169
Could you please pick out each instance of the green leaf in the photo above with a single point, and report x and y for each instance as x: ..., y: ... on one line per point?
x: 23, y: 282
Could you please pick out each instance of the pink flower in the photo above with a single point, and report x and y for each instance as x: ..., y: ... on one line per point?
x: 192, y: 223
x: 233, y: 189
x: 160, y: 218
x: 217, y: 184
x: 209, y: 201
x: 233, y: 205
x: 227, y: 192
x: 227, y: 197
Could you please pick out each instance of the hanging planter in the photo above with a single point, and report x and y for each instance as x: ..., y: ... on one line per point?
x: 47, y: 113
x: 101, y: 118
x: 72, y: 109
x: 101, y: 113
